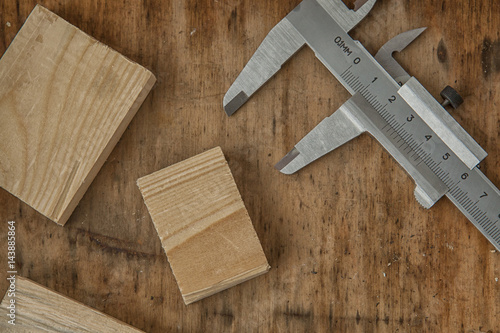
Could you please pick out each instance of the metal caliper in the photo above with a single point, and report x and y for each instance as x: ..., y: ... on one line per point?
x: 440, y: 156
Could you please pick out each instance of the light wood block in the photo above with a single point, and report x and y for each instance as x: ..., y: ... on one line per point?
x: 65, y: 100
x: 203, y: 225
x: 39, y: 309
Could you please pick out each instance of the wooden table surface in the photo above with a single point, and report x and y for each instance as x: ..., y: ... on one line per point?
x: 350, y: 249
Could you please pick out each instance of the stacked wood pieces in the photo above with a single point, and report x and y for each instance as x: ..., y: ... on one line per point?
x: 65, y: 100
x: 203, y: 225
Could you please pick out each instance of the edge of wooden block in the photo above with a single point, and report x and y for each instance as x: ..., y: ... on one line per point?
x: 64, y: 216
x: 61, y: 216
x: 107, y: 150
x: 69, y: 299
x: 140, y: 181
x: 225, y: 284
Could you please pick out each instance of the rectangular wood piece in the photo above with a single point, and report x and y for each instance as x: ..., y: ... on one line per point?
x: 65, y: 100
x: 203, y: 225
x: 39, y: 309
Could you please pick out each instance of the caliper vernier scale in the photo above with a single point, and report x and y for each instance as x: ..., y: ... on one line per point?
x: 440, y: 156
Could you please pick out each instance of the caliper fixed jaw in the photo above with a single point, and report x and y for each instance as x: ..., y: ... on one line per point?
x: 281, y: 43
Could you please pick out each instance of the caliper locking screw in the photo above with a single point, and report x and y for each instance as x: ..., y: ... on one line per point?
x: 451, y: 97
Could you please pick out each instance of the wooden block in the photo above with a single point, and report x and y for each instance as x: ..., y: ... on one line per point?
x: 65, y: 100
x: 39, y: 309
x: 203, y: 225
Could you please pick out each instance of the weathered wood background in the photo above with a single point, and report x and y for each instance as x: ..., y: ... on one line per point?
x: 350, y: 248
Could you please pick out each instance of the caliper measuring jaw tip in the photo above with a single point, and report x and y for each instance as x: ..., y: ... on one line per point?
x: 282, y: 42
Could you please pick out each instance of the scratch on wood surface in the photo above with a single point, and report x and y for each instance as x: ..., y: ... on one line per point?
x: 228, y: 240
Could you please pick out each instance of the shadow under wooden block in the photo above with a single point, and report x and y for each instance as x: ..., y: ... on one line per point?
x: 39, y: 309
x: 65, y: 100
x: 203, y: 225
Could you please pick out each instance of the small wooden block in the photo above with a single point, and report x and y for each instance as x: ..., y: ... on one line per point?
x: 203, y: 225
x: 39, y: 309
x: 65, y: 100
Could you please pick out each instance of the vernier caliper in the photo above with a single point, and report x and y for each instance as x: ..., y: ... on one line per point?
x: 440, y: 156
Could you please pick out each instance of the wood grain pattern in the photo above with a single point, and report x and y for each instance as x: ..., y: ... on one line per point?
x: 39, y: 309
x: 65, y: 100
x: 203, y: 225
x: 330, y: 231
